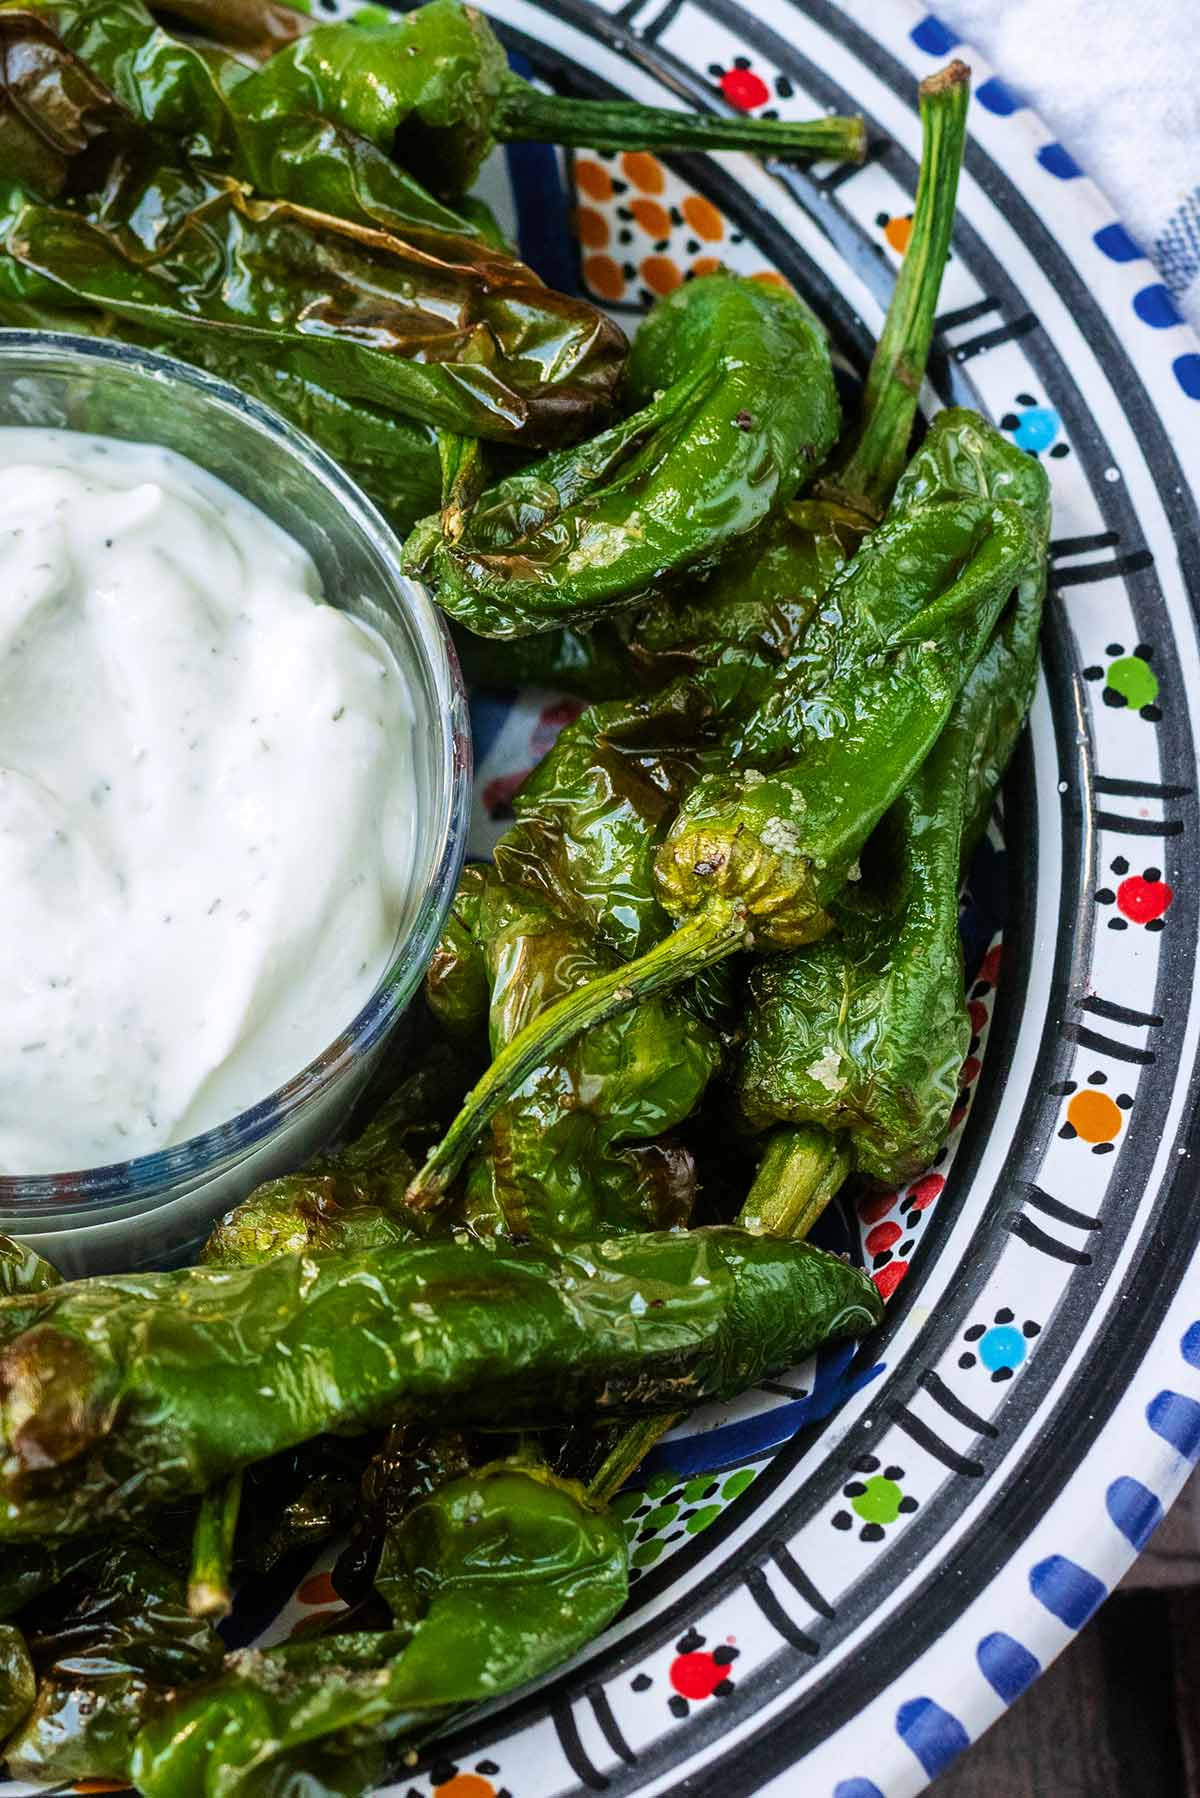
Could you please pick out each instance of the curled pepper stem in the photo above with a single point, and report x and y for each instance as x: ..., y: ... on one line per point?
x: 717, y: 930
x: 212, y: 1549
x: 524, y: 113
x: 869, y: 467
x: 801, y: 1171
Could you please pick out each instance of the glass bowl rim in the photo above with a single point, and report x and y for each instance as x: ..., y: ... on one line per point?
x: 160, y: 1175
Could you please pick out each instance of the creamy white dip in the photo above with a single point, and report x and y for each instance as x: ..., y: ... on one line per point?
x: 206, y: 803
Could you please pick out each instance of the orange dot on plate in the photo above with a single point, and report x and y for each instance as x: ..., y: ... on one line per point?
x: 593, y: 179
x: 318, y: 1589
x: 645, y: 171
x: 654, y: 219
x: 660, y: 274
x: 898, y: 231
x: 707, y: 265
x: 591, y: 227
x: 314, y: 1620
x: 1095, y: 1116
x: 770, y: 277
x: 704, y: 218
x: 466, y: 1785
x: 604, y: 277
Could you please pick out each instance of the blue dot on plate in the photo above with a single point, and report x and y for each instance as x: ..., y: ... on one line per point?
x: 1067, y: 1590
x: 934, y: 1736
x: 1134, y: 1509
x: 1008, y: 1666
x: 935, y: 39
x: 857, y: 1788
x: 1189, y: 1345
x: 1177, y: 1420
x: 1154, y: 306
x: 1003, y: 1346
x: 1187, y: 373
x: 997, y: 97
x: 1116, y: 243
x: 1057, y: 161
x: 1037, y: 427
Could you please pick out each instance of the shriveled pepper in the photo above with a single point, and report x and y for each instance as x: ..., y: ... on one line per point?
x: 434, y: 89
x: 107, y: 1647
x: 731, y: 629
x: 170, y: 206
x: 866, y: 1031
x: 759, y: 851
x: 493, y: 1579
x: 127, y: 1393
x: 736, y: 406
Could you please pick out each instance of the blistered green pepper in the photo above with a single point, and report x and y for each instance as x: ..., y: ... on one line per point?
x: 129, y: 1392
x: 456, y: 982
x: 759, y: 850
x: 494, y: 1578
x: 18, y: 1682
x: 732, y: 629
x: 434, y: 89
x: 107, y: 1647
x: 736, y: 406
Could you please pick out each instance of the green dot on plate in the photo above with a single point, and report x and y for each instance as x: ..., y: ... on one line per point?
x: 645, y: 1553
x: 698, y: 1489
x: 702, y: 1519
x: 660, y: 1485
x: 1134, y: 680
x: 626, y: 1503
x: 737, y: 1482
x: 661, y: 1518
x: 879, y: 1501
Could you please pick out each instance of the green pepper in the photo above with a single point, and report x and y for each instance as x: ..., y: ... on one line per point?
x: 107, y: 1647
x: 18, y: 1682
x: 23, y: 1270
x: 494, y: 1578
x: 732, y: 629
x: 435, y: 90
x: 736, y: 406
x: 170, y: 206
x: 130, y: 1392
x: 583, y: 1147
x: 456, y: 982
x: 760, y: 849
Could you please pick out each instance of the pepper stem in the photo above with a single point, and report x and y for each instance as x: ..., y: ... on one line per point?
x: 801, y: 1171
x: 870, y: 465
x: 524, y: 113
x: 714, y: 932
x: 212, y: 1549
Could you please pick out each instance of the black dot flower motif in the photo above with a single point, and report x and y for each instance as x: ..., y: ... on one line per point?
x: 1129, y: 680
x: 999, y: 1347
x: 1140, y: 899
x: 1036, y: 427
x: 1093, y: 1117
x: 877, y: 1500
x: 698, y: 1672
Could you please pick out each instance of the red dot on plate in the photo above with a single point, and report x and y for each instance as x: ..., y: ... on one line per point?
x: 744, y: 89
x: 977, y: 1012
x: 1143, y: 900
x: 889, y: 1277
x: 970, y: 1069
x: 991, y: 964
x: 696, y: 1675
x: 875, y: 1206
x: 924, y: 1191
x: 883, y: 1236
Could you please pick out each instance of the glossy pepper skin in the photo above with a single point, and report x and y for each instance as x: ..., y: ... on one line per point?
x: 107, y: 1647
x: 434, y: 90
x: 146, y: 186
x: 124, y: 1394
x: 456, y: 981
x: 734, y: 401
x: 584, y: 1146
x: 493, y: 1578
x: 760, y: 849
x: 730, y: 630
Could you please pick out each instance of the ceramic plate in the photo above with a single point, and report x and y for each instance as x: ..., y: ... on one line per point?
x: 840, y: 1582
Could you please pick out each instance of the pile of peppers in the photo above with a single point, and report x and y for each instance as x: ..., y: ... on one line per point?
x: 725, y: 911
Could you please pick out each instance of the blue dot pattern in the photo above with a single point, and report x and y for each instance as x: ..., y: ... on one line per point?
x: 1008, y: 1666
x: 856, y: 1788
x: 1004, y: 1346
x: 1057, y: 161
x: 933, y: 1735
x: 1068, y: 1591
x: 1134, y: 1509
x: 1115, y: 242
x: 1177, y: 1420
x: 1186, y: 370
x: 1154, y: 306
x: 935, y: 39
x: 998, y: 97
x: 1189, y: 1345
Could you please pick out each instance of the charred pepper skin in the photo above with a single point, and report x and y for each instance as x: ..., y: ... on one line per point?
x: 127, y: 1393
x: 735, y: 401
